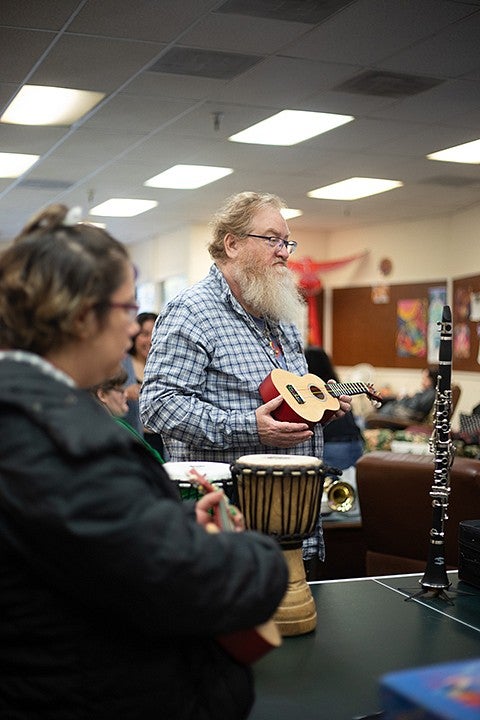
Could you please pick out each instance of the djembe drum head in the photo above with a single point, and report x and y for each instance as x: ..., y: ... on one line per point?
x: 279, y: 495
x: 216, y: 473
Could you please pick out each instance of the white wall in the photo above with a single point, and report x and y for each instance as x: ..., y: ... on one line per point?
x: 161, y: 258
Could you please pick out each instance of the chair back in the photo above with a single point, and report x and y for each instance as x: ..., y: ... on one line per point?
x: 456, y: 393
x: 396, y: 508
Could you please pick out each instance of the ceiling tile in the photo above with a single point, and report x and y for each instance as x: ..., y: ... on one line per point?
x: 140, y: 20
x: 37, y: 15
x: 20, y: 50
x: 91, y: 63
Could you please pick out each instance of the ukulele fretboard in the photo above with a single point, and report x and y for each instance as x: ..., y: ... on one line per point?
x: 337, y: 389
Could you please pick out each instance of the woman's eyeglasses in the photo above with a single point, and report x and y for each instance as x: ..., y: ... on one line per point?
x: 131, y: 308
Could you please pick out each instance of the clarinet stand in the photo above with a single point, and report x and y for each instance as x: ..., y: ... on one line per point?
x: 435, y: 592
x: 435, y: 581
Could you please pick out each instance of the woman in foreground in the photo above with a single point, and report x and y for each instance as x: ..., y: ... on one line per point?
x: 112, y: 591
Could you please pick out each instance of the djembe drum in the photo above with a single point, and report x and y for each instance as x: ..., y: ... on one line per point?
x: 280, y: 495
x: 217, y: 473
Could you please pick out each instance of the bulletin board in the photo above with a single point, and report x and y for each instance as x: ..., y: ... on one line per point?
x: 366, y: 327
x: 466, y: 323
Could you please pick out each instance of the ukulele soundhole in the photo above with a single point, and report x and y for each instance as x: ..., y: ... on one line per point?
x: 294, y: 393
x: 316, y: 392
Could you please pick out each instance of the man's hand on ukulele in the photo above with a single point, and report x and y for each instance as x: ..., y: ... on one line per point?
x: 345, y: 404
x: 279, y: 434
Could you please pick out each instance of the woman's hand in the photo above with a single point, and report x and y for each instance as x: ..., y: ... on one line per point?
x: 209, y: 502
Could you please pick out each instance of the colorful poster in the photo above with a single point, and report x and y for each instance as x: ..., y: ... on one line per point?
x: 381, y: 294
x: 474, y: 306
x: 461, y: 310
x: 461, y: 341
x: 412, y: 328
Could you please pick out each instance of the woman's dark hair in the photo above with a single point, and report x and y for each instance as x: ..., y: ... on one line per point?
x: 54, y: 269
x: 142, y: 318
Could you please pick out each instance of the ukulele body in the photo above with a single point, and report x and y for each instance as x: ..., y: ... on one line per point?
x: 306, y: 398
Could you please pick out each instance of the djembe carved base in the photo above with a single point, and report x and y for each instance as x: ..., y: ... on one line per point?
x: 280, y: 495
x: 296, y: 614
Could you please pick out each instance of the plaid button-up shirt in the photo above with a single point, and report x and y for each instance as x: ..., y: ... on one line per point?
x: 201, y: 380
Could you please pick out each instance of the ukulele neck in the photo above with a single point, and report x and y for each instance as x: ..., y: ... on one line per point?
x: 337, y: 389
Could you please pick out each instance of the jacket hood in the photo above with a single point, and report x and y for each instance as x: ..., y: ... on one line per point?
x: 51, y: 403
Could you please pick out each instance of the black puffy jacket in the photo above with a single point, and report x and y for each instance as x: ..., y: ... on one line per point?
x: 111, y: 594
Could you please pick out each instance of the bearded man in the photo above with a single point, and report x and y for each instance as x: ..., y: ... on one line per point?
x: 217, y: 341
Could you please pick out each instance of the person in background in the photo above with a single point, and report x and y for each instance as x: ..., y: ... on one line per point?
x: 216, y: 342
x: 113, y: 592
x: 112, y: 394
x: 417, y: 406
x: 132, y: 389
x: 141, y: 343
x: 342, y: 439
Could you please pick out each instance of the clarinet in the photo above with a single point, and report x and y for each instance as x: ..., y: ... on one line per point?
x: 435, y: 578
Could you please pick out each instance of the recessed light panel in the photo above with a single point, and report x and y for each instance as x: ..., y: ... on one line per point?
x: 102, y: 226
x: 289, y: 213
x: 13, y: 165
x: 187, y: 177
x: 354, y: 188
x: 123, y: 207
x: 43, y: 105
x: 290, y: 127
x: 466, y: 153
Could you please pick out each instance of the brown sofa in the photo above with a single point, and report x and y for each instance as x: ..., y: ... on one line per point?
x: 396, y: 508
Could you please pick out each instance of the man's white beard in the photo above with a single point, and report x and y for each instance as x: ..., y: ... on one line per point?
x: 269, y: 291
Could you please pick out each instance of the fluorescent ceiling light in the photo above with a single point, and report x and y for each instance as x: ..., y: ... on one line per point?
x: 123, y: 207
x: 289, y: 213
x: 290, y: 127
x: 466, y: 153
x: 13, y: 165
x: 42, y: 105
x: 354, y: 188
x: 187, y: 177
x: 102, y: 226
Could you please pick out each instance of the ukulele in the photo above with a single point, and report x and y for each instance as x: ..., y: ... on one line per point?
x: 306, y: 398
x: 245, y: 646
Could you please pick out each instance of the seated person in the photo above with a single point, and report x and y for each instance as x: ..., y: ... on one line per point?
x: 413, y: 407
x: 112, y: 394
x: 342, y: 438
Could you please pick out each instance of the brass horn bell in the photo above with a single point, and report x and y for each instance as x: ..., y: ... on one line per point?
x: 340, y: 495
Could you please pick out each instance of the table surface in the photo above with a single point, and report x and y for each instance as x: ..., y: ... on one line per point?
x: 365, y: 628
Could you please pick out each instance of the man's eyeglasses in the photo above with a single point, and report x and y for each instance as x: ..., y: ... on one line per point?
x: 276, y: 242
x: 131, y: 308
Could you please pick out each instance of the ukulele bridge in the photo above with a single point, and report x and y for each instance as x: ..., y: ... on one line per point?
x: 295, y: 394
